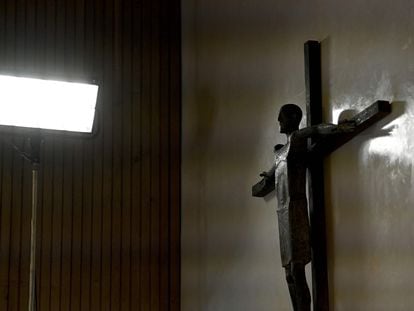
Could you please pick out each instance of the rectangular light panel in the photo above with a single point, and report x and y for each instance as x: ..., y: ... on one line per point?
x: 47, y: 104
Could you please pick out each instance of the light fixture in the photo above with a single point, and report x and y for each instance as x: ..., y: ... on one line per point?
x: 38, y: 105
x: 47, y: 104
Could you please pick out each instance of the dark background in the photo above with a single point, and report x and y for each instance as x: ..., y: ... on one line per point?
x: 108, y: 218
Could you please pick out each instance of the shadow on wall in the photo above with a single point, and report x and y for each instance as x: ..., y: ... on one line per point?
x: 202, y: 121
x: 351, y: 214
x: 204, y: 115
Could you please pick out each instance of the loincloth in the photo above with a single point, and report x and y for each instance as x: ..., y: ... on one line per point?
x: 294, y: 232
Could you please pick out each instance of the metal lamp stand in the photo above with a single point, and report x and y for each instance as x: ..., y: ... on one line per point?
x: 32, y: 271
x: 33, y: 156
x: 35, y: 143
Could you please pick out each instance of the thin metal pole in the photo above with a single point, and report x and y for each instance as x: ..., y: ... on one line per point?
x: 32, y: 275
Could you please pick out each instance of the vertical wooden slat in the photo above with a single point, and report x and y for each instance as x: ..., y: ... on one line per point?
x: 16, y: 234
x: 52, y: 294
x: 3, y: 26
x: 96, y: 225
x: 3, y: 253
x: 6, y: 226
x: 29, y: 37
x: 164, y: 155
x: 58, y: 279
x: 87, y: 161
x: 68, y: 182
x: 39, y: 35
x: 97, y: 211
x: 5, y: 170
x: 137, y: 154
x: 79, y: 32
x: 40, y: 231
x: 86, y: 251
x: 7, y: 173
x: 20, y: 36
x: 50, y: 44
x: 59, y: 36
x: 45, y: 236
x: 107, y: 157
x: 155, y: 156
x: 42, y: 241
x: 78, y: 182
x: 28, y: 65
x: 15, y: 264
x: 145, y: 117
x: 117, y: 119
x: 126, y: 247
x: 87, y: 172
x: 57, y: 224
x: 77, y: 233
x: 175, y: 155
x: 67, y: 227
x: 5, y: 229
x: 10, y: 43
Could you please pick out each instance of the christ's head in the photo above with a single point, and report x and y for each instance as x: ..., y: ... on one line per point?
x: 289, y: 118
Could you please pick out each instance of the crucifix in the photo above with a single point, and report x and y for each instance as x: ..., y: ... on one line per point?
x: 299, y: 164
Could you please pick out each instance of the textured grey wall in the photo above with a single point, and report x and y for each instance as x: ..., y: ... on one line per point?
x: 242, y: 60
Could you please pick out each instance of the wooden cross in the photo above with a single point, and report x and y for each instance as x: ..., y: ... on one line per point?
x: 319, y: 149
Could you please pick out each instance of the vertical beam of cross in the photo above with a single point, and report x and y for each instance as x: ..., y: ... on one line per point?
x: 316, y: 180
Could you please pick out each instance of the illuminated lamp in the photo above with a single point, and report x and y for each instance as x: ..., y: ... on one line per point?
x: 32, y: 107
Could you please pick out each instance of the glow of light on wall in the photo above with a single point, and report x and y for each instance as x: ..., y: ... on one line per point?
x: 393, y: 141
x: 335, y: 115
x: 47, y: 104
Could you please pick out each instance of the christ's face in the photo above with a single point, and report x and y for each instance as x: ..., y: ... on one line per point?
x: 287, y: 123
x: 283, y: 123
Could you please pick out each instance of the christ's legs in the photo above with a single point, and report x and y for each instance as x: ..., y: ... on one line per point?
x: 298, y: 289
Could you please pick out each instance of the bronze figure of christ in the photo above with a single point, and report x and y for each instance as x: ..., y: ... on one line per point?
x: 289, y: 173
x: 300, y: 159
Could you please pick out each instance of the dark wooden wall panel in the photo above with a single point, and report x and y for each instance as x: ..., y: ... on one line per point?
x: 109, y: 206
